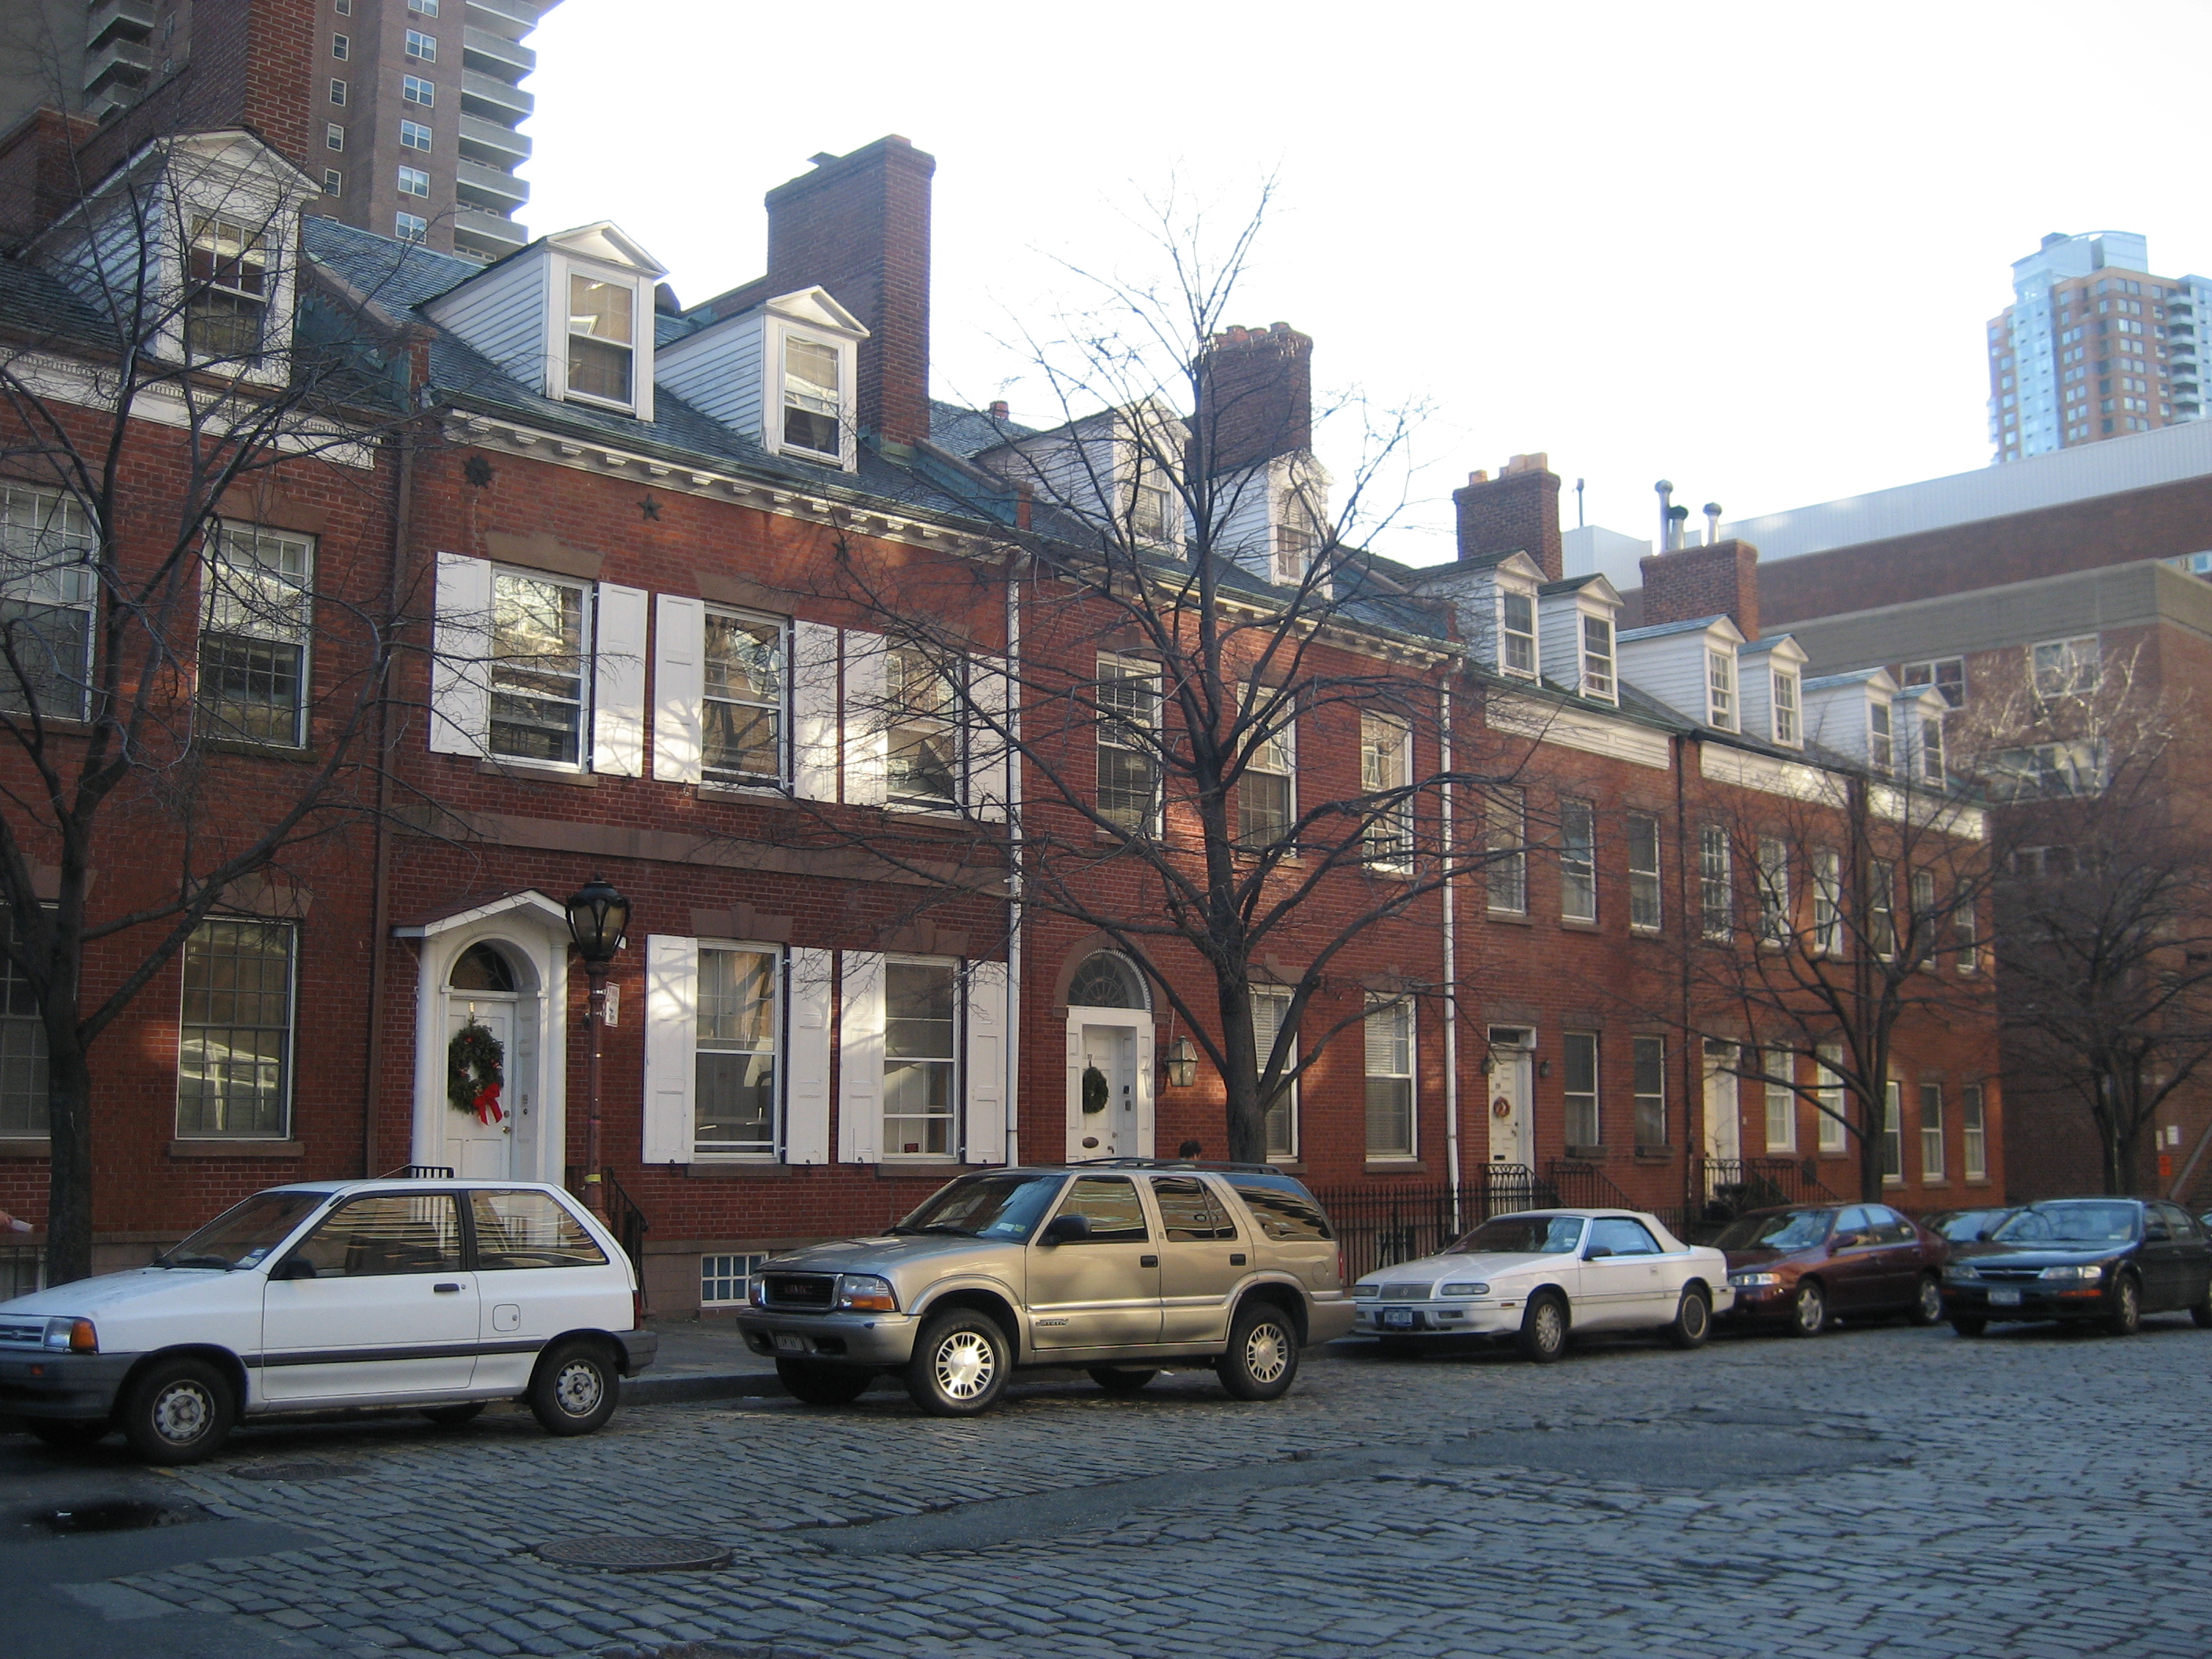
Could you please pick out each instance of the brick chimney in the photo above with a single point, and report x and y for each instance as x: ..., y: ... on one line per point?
x: 1255, y: 398
x: 1515, y: 512
x: 1720, y: 579
x: 858, y: 226
x: 246, y: 63
x: 38, y: 172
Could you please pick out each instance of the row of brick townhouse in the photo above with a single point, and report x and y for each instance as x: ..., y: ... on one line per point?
x: 647, y: 533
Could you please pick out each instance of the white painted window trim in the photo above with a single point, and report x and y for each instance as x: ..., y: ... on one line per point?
x: 586, y: 713
x: 558, y: 266
x: 1582, y: 682
x: 959, y: 1092
x: 1535, y: 670
x: 776, y: 331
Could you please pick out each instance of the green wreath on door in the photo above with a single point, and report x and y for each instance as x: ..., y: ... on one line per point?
x: 1094, y: 1090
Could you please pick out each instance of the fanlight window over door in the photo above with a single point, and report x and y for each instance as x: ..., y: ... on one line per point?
x: 1105, y: 981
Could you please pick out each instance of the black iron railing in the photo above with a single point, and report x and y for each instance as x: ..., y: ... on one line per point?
x: 1759, y: 1183
x: 624, y: 1220
x: 1582, y: 1184
x: 1377, y: 1225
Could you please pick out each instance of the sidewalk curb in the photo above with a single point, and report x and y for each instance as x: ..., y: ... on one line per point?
x: 651, y: 1390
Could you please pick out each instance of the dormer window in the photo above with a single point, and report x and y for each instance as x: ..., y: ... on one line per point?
x: 1294, y: 553
x: 1149, y: 511
x: 602, y: 340
x: 227, y: 303
x: 1597, y: 657
x: 1788, y: 729
x: 811, y: 394
x: 1720, y: 689
x: 1931, y: 748
x: 1882, y: 749
x: 1517, y: 625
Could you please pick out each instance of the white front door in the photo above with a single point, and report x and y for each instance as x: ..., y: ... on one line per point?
x: 477, y: 1150
x: 1723, y: 1109
x: 1512, y: 1106
x: 1108, y: 1123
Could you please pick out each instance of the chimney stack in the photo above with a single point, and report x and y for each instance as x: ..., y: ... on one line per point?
x: 1516, y: 512
x: 999, y: 413
x: 1685, y: 583
x: 1255, y: 399
x: 858, y: 226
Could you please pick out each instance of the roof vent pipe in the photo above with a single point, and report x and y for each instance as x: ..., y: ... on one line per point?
x: 1665, y: 488
x: 1712, y: 524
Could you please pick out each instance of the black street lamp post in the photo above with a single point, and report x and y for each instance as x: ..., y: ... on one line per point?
x: 598, y: 917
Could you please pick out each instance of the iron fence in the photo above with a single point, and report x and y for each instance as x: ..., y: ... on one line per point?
x: 22, y: 1270
x: 1377, y: 1225
x: 624, y: 1220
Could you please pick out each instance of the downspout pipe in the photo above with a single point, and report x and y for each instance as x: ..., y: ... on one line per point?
x: 1451, y: 964
x: 380, y: 935
x: 1016, y: 1004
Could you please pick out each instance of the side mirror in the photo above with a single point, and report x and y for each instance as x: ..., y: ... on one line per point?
x: 1597, y: 1252
x: 1066, y: 1229
x: 292, y: 1267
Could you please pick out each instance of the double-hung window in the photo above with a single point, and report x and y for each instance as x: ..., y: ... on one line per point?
x: 1781, y: 1101
x: 1151, y: 508
x: 602, y: 338
x: 1644, y: 889
x: 1774, y: 916
x: 22, y: 1053
x: 416, y: 90
x: 1269, y: 1010
x: 235, y: 1043
x: 1385, y: 771
x: 1265, y: 794
x: 1829, y: 1092
x: 1974, y: 1133
x: 1582, y: 1073
x: 1128, y: 739
x: 1716, y: 883
x: 1931, y: 1134
x: 1597, y: 657
x: 253, y: 636
x: 1882, y: 908
x: 810, y: 397
x: 47, y: 589
x: 1787, y: 729
x: 733, y: 1106
x: 922, y: 1062
x: 1577, y: 862
x: 422, y: 47
x: 1921, y: 919
x: 413, y: 134
x: 227, y: 297
x: 1719, y: 688
x: 540, y: 649
x: 2066, y: 668
x: 416, y: 181
x: 1517, y: 623
x: 922, y: 729
x: 1506, y: 863
x: 1294, y: 552
x: 1892, y: 1131
x: 742, y: 700
x: 1649, y: 1057
x: 1882, y: 749
x: 1931, y: 749
x: 1965, y: 939
x: 1827, y: 901
x: 1389, y: 1077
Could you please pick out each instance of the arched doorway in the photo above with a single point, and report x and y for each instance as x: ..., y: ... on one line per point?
x: 1109, y: 1059
x: 484, y: 988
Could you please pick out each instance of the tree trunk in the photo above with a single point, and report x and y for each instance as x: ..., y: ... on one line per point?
x: 69, y: 1193
x: 1240, y: 1079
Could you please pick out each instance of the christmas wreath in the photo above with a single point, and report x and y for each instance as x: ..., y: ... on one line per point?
x: 1094, y: 1090
x: 474, y: 1071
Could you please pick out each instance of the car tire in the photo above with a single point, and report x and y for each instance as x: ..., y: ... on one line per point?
x: 1967, y: 1325
x: 453, y: 1416
x: 2124, y: 1316
x: 69, y: 1433
x: 1927, y: 1307
x: 1543, y: 1336
x: 1693, y: 1323
x: 1808, y: 1308
x: 1121, y: 1380
x: 959, y: 1366
x: 575, y: 1389
x: 180, y: 1411
x: 812, y: 1383
x: 2200, y: 1311
x: 1262, y: 1359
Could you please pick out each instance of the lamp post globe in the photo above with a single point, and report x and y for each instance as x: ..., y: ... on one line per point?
x: 598, y: 917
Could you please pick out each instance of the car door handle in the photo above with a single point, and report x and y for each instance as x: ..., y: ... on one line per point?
x: 445, y: 1290
x: 1148, y: 1261
x: 1237, y: 1260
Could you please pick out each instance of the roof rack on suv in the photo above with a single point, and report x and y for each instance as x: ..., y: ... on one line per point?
x: 1171, y: 1163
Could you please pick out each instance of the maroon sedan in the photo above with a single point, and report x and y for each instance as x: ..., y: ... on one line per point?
x: 1801, y: 1267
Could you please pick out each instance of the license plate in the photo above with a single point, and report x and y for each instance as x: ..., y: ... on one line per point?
x: 786, y: 1343
x: 1398, y: 1318
x: 2004, y: 1298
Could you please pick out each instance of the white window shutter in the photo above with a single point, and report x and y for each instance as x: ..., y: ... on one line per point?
x: 460, y: 701
x: 618, y: 682
x: 990, y: 759
x: 860, y: 1058
x: 671, y: 1041
x: 987, y: 1062
x: 867, y: 734
x: 806, y: 1059
x: 1076, y: 1132
x: 679, y: 643
x: 1145, y: 1073
x: 814, y: 711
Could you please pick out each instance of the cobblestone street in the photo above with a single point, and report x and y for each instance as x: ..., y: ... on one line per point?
x: 1887, y: 1491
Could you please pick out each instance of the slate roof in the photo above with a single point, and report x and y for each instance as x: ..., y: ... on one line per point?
x: 1660, y: 631
x: 36, y: 302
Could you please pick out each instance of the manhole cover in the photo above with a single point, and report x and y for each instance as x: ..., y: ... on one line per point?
x: 618, y: 1553
x: 297, y: 1472
x: 123, y: 1516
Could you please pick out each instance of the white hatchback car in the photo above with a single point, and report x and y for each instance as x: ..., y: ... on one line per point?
x: 437, y: 1295
x: 1540, y: 1274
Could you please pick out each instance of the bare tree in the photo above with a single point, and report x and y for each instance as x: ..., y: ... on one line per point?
x: 193, y: 707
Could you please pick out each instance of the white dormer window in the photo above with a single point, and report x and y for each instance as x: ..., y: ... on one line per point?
x: 1931, y: 747
x: 1788, y: 728
x: 1720, y: 689
x: 813, y: 399
x: 1149, y: 511
x: 1882, y: 749
x: 1517, y: 631
x: 1597, y: 657
x: 226, y: 302
x: 602, y: 340
x: 1294, y: 550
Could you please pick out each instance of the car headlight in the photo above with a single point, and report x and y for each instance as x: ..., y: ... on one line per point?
x: 1960, y: 1270
x: 1752, y: 1281
x: 865, y: 1293
x: 758, y: 1294
x: 1471, y: 1288
x: 2091, y: 1272
x: 1366, y: 1292
x: 72, y: 1336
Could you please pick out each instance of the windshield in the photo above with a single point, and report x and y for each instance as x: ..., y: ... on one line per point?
x: 985, y: 1206
x: 2070, y: 1223
x: 1522, y: 1235
x: 242, y: 1235
x: 1971, y: 1227
x: 1793, y: 1230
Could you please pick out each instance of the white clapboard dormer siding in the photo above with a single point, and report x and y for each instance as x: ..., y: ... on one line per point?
x: 1479, y: 591
x: 1841, y: 717
x: 463, y: 658
x: 1119, y: 472
x: 1271, y: 518
x: 801, y: 1062
x: 519, y: 314
x: 982, y: 1015
x: 739, y: 370
x: 1690, y: 666
x: 1569, y: 648
x: 1770, y: 677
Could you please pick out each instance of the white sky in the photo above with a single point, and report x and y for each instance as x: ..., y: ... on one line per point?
x: 1750, y: 248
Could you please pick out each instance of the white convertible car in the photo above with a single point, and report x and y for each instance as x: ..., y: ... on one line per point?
x: 1539, y: 1275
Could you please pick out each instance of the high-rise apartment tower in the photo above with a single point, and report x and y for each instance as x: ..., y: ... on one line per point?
x: 2093, y: 346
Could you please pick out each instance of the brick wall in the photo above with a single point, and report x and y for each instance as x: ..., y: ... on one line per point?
x: 1255, y: 398
x: 1516, y: 512
x: 1690, y: 582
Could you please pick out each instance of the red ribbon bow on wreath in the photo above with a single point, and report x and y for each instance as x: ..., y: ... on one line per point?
x: 488, y: 1106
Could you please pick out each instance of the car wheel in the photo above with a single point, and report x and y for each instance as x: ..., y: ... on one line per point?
x: 815, y: 1384
x: 453, y: 1417
x: 1808, y: 1311
x: 2200, y: 1311
x: 2125, y: 1317
x: 1544, y: 1328
x: 1262, y: 1360
x: 575, y: 1389
x: 1968, y: 1326
x: 1928, y: 1302
x: 1114, y: 1380
x: 959, y: 1364
x: 1694, y: 1319
x: 181, y: 1411
x: 69, y: 1432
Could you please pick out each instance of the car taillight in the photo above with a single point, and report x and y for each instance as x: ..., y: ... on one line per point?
x: 1343, y: 1271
